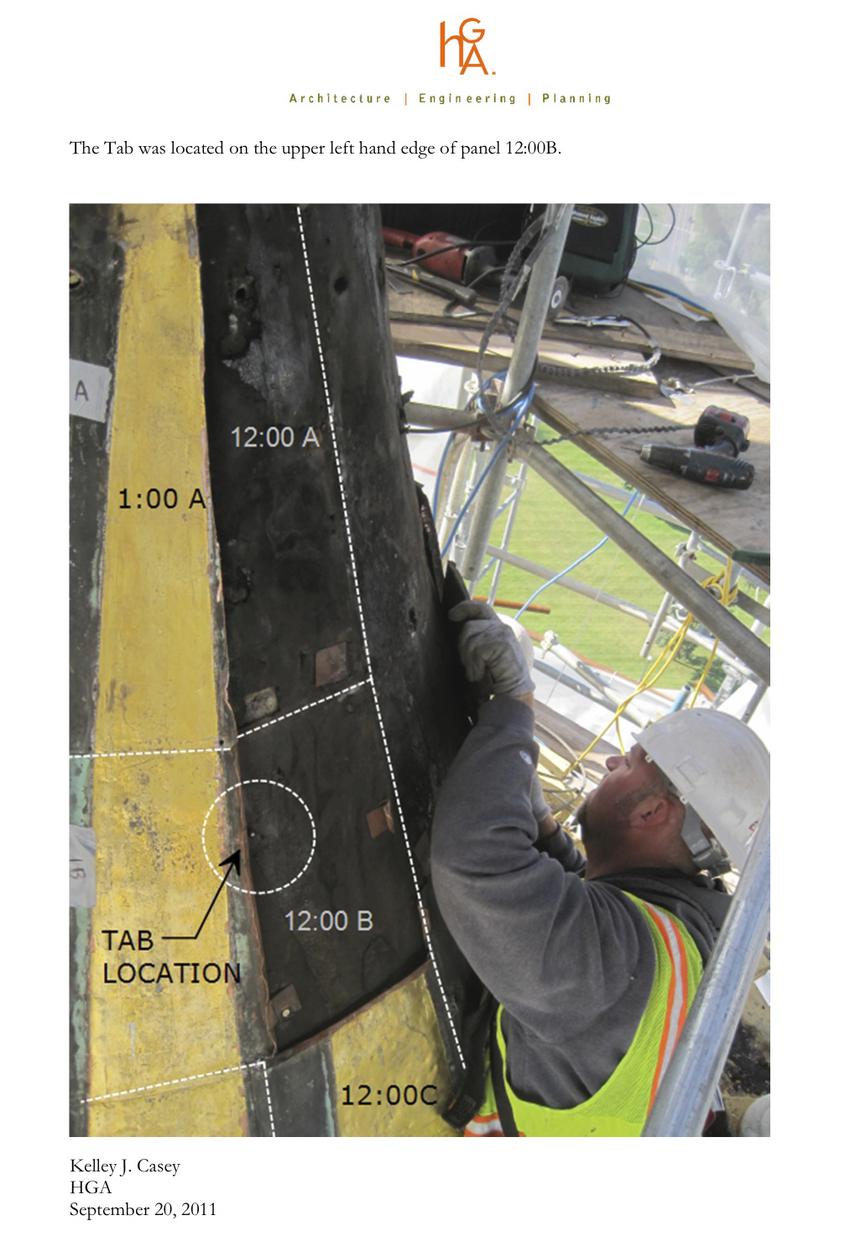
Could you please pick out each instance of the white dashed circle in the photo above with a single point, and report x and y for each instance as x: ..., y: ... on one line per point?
x: 250, y: 782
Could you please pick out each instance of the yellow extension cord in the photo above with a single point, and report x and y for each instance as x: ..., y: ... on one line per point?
x: 664, y: 660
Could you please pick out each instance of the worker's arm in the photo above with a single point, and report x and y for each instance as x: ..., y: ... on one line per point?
x: 557, y: 952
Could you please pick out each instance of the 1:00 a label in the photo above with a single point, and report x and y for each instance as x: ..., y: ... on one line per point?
x: 274, y: 437
x: 156, y: 497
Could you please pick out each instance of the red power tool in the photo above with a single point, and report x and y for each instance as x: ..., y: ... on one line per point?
x: 459, y: 260
x: 721, y: 431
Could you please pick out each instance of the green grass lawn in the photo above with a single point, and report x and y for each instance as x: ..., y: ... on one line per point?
x: 550, y: 531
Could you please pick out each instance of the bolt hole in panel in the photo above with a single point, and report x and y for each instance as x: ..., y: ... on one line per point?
x: 292, y: 617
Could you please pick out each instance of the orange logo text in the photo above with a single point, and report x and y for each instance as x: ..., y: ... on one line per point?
x: 468, y: 52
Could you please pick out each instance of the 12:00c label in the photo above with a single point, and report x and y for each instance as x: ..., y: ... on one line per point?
x: 392, y: 1094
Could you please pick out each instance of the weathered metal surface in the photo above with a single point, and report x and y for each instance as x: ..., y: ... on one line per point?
x: 392, y: 1048
x: 302, y: 1092
x: 148, y: 1058
x: 380, y: 1071
x: 157, y: 690
x: 259, y: 704
x: 96, y: 268
x: 97, y: 259
x: 285, y: 1002
x: 212, y: 1105
x: 293, y: 620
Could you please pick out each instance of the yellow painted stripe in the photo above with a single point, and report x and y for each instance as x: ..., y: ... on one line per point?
x: 157, y: 689
x: 392, y: 1043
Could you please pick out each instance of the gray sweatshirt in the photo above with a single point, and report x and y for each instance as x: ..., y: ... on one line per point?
x: 572, y: 962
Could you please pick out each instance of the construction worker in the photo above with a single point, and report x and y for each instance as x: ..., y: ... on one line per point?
x: 593, y: 974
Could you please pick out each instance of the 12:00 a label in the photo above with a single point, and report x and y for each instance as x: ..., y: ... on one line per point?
x: 275, y: 437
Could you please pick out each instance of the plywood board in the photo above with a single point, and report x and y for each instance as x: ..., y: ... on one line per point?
x: 730, y: 519
x: 676, y: 335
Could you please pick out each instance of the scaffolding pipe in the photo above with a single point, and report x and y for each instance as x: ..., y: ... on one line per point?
x: 695, y: 599
x: 450, y: 487
x: 620, y: 493
x: 586, y: 690
x: 755, y: 701
x: 686, y: 1090
x: 462, y: 486
x: 656, y: 510
x: 667, y: 600
x: 611, y: 602
x: 741, y: 601
x: 513, y: 500
x: 532, y: 320
x: 438, y: 417
x: 567, y: 657
x: 760, y: 625
x: 571, y: 584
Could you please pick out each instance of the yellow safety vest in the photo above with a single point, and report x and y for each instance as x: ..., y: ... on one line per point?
x: 621, y: 1105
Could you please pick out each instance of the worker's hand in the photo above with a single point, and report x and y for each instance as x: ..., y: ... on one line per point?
x: 490, y: 652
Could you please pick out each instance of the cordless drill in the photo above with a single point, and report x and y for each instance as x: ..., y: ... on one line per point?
x: 720, y: 436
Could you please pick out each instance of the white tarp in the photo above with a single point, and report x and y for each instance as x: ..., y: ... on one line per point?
x: 719, y: 256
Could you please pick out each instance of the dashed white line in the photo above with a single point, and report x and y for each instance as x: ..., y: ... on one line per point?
x: 269, y: 1098
x: 422, y: 914
x: 89, y: 756
x: 335, y: 695
x: 304, y: 707
x: 171, y: 1082
x: 269, y: 782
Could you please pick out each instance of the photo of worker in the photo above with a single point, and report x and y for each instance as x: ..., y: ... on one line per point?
x: 419, y: 691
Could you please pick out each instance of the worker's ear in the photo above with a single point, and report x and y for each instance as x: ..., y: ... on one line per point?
x: 652, y: 811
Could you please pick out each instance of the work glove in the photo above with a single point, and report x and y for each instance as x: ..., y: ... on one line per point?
x: 490, y: 652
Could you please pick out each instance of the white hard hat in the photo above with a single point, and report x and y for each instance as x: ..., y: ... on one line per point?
x: 721, y: 771
x: 756, y: 1120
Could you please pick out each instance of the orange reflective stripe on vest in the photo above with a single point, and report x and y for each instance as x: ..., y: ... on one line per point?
x: 679, y: 994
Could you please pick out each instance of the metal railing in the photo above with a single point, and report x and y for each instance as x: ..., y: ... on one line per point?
x: 686, y: 1090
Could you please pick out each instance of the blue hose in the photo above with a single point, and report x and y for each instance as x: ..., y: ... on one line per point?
x: 572, y: 565
x: 518, y: 409
x: 503, y: 443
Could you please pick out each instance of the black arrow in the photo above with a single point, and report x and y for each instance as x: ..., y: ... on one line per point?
x: 232, y: 862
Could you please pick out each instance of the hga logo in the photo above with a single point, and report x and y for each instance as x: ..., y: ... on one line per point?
x: 468, y: 53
